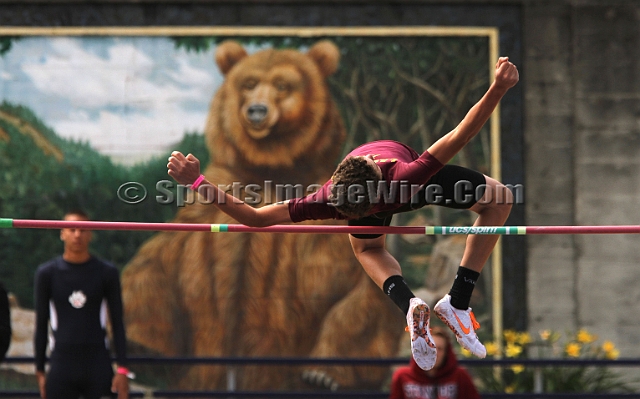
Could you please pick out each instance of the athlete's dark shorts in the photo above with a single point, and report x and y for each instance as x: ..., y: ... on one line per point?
x: 79, y: 371
x: 452, y: 187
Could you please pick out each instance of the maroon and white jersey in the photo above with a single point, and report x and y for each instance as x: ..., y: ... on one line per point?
x: 403, y: 172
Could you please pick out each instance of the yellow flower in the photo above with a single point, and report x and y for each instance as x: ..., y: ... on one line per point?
x: 513, y: 350
x: 610, y: 351
x: 573, y: 349
x: 583, y: 336
x: 612, y: 354
x: 510, y: 336
x: 492, y: 348
x: 510, y: 389
x: 517, y: 368
x: 523, y: 338
x: 464, y: 352
x: 608, y: 346
x: 545, y: 334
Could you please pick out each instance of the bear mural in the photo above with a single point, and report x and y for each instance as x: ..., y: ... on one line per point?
x: 263, y: 294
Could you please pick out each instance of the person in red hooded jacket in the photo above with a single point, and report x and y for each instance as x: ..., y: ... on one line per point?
x: 446, y: 380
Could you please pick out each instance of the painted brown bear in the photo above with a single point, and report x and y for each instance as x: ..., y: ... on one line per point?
x: 257, y: 295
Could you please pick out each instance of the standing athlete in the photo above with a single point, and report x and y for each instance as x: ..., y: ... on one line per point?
x: 347, y: 196
x: 75, y: 293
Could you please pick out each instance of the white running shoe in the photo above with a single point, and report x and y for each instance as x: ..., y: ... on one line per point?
x: 422, y: 346
x: 463, y: 323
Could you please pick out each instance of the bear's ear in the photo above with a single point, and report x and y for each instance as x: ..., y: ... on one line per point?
x: 228, y: 54
x: 327, y: 55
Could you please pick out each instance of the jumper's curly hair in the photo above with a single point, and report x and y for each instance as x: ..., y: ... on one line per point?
x: 353, y: 172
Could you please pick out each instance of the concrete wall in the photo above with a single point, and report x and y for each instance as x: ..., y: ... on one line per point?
x: 582, y: 135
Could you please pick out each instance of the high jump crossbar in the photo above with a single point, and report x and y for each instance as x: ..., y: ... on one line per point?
x: 317, y: 229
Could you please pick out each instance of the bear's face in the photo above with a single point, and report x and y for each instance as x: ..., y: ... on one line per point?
x: 274, y: 107
x: 269, y: 97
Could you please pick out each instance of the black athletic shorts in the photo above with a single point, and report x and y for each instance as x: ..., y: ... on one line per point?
x: 79, y: 371
x: 452, y: 187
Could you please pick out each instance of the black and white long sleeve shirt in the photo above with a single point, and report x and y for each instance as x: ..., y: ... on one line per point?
x: 75, y: 299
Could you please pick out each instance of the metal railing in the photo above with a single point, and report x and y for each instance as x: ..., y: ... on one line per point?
x: 537, y: 364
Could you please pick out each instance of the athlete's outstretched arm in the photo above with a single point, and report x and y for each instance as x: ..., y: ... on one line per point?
x: 506, y: 76
x: 186, y: 169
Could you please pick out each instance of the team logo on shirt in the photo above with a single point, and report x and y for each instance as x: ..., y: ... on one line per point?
x: 77, y: 299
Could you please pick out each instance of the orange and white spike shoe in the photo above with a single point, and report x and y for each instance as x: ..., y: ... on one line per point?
x: 423, y: 348
x: 463, y: 323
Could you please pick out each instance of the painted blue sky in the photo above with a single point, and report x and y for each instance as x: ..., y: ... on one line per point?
x: 129, y: 97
